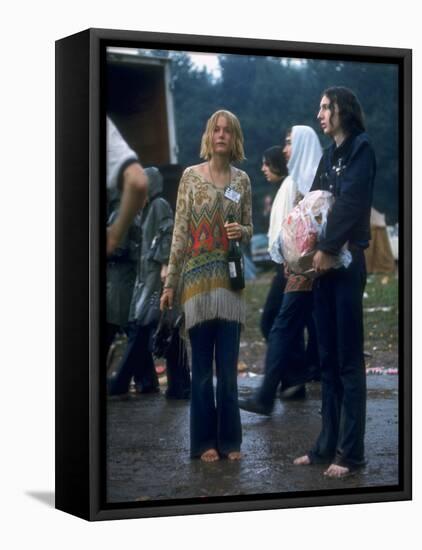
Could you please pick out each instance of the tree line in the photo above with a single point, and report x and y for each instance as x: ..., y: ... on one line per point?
x: 271, y: 94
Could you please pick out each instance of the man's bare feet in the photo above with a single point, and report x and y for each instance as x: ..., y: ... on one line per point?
x: 234, y: 455
x: 302, y: 461
x: 334, y: 470
x: 210, y: 456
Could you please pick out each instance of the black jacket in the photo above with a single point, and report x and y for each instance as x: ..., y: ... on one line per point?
x: 348, y: 171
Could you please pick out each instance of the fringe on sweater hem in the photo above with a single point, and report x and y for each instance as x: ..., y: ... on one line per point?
x: 218, y: 304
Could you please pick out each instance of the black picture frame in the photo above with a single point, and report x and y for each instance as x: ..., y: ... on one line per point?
x: 80, y: 255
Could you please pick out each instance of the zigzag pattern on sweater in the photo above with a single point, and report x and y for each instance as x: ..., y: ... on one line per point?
x: 206, y: 229
x: 204, y: 273
x: 206, y: 255
x: 198, y: 261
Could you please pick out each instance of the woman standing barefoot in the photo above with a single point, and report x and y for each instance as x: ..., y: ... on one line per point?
x: 209, y: 194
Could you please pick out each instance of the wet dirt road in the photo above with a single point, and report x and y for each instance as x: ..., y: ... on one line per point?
x: 148, y: 448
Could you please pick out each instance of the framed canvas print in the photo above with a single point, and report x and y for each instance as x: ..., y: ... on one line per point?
x: 233, y: 274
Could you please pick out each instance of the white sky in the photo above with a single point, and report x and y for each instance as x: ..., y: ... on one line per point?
x: 210, y: 62
x: 207, y: 60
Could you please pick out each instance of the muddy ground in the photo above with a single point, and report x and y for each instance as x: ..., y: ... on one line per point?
x: 148, y: 448
x: 148, y: 436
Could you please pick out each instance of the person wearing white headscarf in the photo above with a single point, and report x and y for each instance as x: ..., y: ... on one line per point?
x: 305, y: 155
x: 303, y: 160
x: 285, y: 360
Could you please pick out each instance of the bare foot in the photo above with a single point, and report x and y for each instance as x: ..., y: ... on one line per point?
x: 210, y: 456
x: 234, y: 455
x: 334, y: 470
x: 302, y: 461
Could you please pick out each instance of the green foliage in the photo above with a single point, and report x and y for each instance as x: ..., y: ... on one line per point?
x: 271, y: 94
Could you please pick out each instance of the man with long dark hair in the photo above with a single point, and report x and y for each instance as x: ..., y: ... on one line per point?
x: 347, y: 169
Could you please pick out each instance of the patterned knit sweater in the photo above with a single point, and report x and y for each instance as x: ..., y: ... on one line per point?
x: 198, y: 267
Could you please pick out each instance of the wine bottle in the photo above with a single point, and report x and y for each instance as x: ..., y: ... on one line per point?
x: 235, y: 263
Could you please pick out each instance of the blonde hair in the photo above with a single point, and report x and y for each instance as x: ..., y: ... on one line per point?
x: 237, y: 152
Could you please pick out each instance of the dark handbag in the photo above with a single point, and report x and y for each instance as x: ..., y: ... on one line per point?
x: 152, y: 315
x: 168, y: 326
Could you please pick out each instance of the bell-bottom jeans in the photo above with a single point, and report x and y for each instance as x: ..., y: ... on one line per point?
x: 339, y: 320
x: 215, y: 419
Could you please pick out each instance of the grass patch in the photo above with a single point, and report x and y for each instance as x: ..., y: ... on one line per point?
x: 380, y: 321
x: 381, y: 318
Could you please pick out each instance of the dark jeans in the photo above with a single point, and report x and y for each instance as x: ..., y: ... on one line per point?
x: 312, y: 353
x: 271, y: 310
x: 285, y: 358
x: 215, y: 423
x: 178, y: 373
x: 137, y: 362
x: 273, y: 301
x: 339, y: 321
